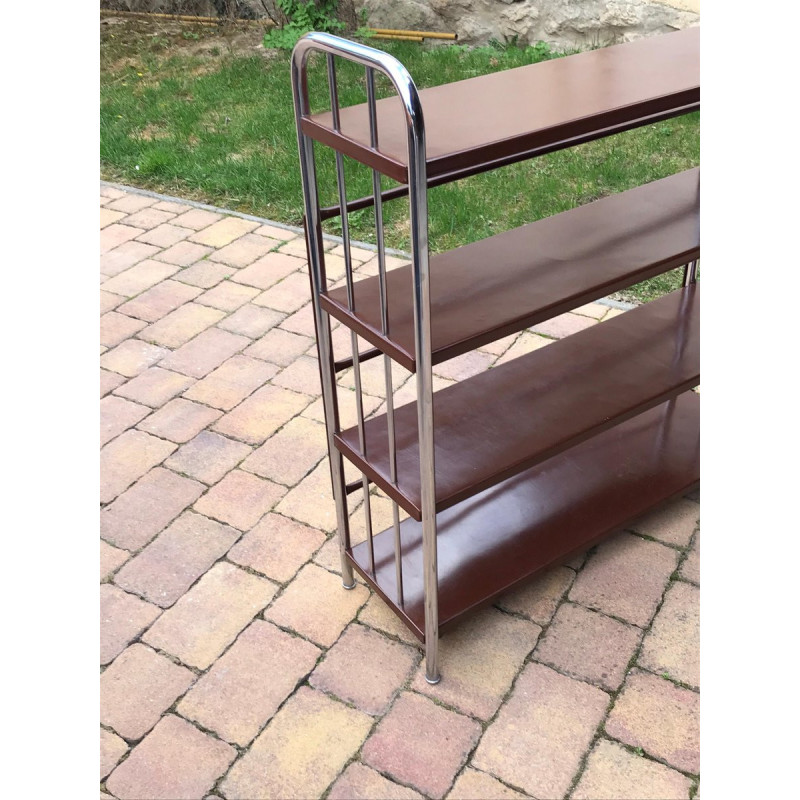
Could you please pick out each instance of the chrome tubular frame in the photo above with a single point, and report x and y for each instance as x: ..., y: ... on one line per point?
x: 375, y: 60
x: 690, y: 273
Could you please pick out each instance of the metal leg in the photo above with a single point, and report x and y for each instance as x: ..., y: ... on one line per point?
x: 690, y: 273
x: 418, y: 209
x: 387, y: 362
x: 348, y: 263
x: 316, y: 265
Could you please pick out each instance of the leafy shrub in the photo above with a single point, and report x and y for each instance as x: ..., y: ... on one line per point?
x: 303, y: 17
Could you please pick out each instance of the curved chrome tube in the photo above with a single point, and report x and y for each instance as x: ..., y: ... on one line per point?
x: 403, y: 84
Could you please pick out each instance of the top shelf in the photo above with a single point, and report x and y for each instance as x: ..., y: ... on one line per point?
x: 508, y: 116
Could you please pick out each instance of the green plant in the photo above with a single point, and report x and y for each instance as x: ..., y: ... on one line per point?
x: 302, y: 17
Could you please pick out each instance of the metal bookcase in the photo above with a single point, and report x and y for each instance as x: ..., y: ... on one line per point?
x: 522, y: 466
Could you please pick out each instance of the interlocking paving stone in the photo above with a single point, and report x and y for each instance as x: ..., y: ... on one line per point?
x: 287, y: 456
x: 139, y: 277
x: 132, y: 357
x: 301, y: 322
x: 147, y: 508
x: 138, y: 688
x: 159, y: 300
x: 116, y: 327
x: 539, y: 597
x: 364, y: 669
x: 126, y: 255
x: 208, y: 457
x: 247, y: 685
x: 122, y: 618
x: 358, y: 782
x: 268, y: 270
x: 673, y: 524
x: 180, y: 420
x: 107, y: 216
x: 614, y: 773
x: 564, y: 325
x: 176, y: 558
x: 260, y: 415
x: 184, y: 254
x: 128, y: 457
x: 227, y: 296
x: 109, y: 381
x: 377, y: 615
x: 165, y: 235
x: 279, y: 347
x: 690, y: 569
x: 589, y: 646
x: 277, y: 547
x: 428, y: 760
x: 287, y: 295
x: 197, y: 218
x: 481, y: 656
x: 117, y: 415
x: 625, y: 578
x: 474, y: 785
x: 210, y: 615
x: 231, y: 382
x: 171, y: 206
x: 181, y: 325
x: 300, y: 752
x: 244, y: 250
x: 661, y: 718
x: 541, y: 733
x: 275, y: 232
x: 311, y: 501
x: 109, y: 301
x: 251, y: 321
x: 205, y: 352
x: 154, y: 387
x: 672, y: 645
x: 223, y: 232
x: 205, y: 274
x: 112, y: 748
x: 316, y: 605
x: 175, y: 760
x: 148, y: 217
x: 130, y: 203
x: 240, y: 499
x: 115, y: 234
x: 464, y: 366
x: 111, y: 558
x: 301, y: 376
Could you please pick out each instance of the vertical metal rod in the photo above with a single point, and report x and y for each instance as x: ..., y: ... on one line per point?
x: 690, y: 273
x: 418, y: 210
x: 348, y: 268
x: 387, y: 362
x: 321, y: 319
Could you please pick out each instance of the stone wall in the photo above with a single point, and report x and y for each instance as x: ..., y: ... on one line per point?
x: 563, y: 23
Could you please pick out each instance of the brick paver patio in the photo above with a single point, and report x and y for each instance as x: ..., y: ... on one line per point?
x: 233, y: 663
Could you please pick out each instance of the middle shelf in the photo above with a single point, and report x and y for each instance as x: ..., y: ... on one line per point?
x: 503, y: 421
x: 488, y: 289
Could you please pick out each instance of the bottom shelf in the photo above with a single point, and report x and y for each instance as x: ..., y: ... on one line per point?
x: 542, y: 516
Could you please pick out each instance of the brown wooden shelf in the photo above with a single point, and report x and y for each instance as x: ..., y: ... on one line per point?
x: 498, y: 423
x: 513, y: 114
x: 488, y: 289
x: 545, y: 515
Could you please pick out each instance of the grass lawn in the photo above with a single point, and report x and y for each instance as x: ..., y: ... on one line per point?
x: 206, y: 114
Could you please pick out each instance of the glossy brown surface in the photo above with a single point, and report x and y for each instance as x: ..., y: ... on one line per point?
x: 502, y: 421
x: 524, y: 276
x: 544, y: 515
x: 511, y: 112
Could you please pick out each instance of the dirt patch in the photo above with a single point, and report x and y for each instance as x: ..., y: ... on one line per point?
x: 124, y: 41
